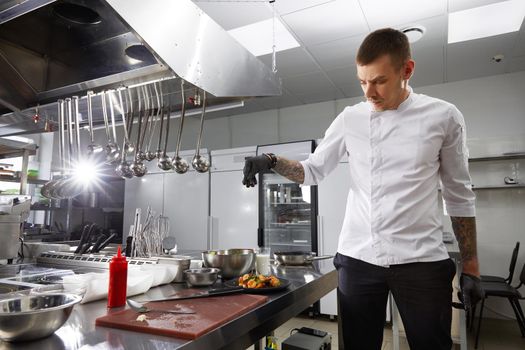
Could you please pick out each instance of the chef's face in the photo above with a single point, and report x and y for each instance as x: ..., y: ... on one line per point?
x: 384, y: 84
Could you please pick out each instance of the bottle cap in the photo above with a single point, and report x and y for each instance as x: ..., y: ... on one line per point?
x: 119, y: 257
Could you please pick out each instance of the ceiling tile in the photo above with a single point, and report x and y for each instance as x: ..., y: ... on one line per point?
x: 292, y: 62
x: 343, y: 76
x: 435, y: 29
x: 227, y: 14
x: 308, y: 83
x: 516, y: 64
x: 352, y: 90
x: 381, y: 13
x: 330, y: 21
x: 286, y: 100
x: 287, y: 6
x: 430, y: 59
x: 337, y: 53
x: 460, y: 5
x: 519, y: 48
x: 472, y: 59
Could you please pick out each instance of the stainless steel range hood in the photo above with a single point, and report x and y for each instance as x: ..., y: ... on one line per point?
x: 56, y: 49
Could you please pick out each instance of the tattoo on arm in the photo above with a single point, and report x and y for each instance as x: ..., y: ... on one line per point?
x: 465, y: 231
x: 290, y: 169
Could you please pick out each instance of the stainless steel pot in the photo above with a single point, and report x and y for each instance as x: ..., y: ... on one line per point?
x: 297, y: 257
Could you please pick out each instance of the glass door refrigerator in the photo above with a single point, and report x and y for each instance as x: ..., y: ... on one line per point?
x: 287, y: 211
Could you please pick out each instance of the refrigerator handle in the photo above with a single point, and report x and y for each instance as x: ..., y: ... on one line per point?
x: 320, y: 235
x: 260, y: 237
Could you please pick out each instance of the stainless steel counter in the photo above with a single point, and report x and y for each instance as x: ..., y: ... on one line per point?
x: 308, y: 284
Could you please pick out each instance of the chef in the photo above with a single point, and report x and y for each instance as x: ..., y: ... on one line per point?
x: 401, y: 146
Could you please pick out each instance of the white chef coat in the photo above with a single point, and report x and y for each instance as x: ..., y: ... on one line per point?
x: 396, y: 161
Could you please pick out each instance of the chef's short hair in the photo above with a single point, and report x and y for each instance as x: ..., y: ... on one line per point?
x: 386, y: 41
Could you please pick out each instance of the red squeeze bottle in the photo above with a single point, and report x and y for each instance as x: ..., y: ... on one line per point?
x: 118, y: 280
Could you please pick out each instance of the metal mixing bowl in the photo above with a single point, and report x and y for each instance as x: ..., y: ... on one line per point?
x: 232, y: 262
x: 201, y: 277
x: 29, y: 317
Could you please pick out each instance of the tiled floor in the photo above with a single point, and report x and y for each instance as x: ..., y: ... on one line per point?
x: 496, y: 334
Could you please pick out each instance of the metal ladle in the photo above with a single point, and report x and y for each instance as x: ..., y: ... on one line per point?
x: 200, y: 163
x: 93, y: 148
x: 112, y: 151
x: 71, y: 187
x: 128, y: 145
x: 150, y: 155
x: 137, y: 167
x: 48, y: 187
x: 165, y: 162
x: 123, y: 169
x: 180, y: 164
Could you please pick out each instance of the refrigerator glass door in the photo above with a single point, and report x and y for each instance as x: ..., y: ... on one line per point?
x: 287, y: 214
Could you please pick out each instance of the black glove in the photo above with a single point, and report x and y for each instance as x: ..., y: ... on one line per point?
x: 254, y: 165
x: 471, y: 290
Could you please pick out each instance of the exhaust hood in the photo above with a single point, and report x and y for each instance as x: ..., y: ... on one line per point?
x: 56, y: 49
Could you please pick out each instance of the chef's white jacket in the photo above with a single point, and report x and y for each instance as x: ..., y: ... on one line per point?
x: 397, y: 159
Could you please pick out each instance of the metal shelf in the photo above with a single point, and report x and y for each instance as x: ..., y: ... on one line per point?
x: 5, y: 178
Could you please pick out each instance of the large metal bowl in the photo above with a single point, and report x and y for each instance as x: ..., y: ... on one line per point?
x: 29, y: 317
x: 232, y: 262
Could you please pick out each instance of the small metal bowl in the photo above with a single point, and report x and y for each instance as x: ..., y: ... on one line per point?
x: 201, y: 277
x: 30, y: 317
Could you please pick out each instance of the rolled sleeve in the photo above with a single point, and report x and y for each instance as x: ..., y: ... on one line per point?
x: 456, y: 184
x: 326, y: 156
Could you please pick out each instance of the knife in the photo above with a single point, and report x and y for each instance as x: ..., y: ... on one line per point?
x: 203, y: 294
x: 82, y: 238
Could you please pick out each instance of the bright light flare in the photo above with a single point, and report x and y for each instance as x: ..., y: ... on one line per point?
x: 86, y: 172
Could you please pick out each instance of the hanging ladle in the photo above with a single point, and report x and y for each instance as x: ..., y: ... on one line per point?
x: 123, y: 169
x: 150, y: 155
x: 165, y: 162
x: 128, y: 145
x: 137, y: 167
x: 200, y: 163
x: 180, y: 164
x: 93, y: 148
x: 48, y: 187
x: 112, y: 151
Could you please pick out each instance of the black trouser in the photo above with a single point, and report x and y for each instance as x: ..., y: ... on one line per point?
x: 422, y: 292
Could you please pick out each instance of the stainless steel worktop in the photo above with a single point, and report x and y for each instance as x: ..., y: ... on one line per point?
x: 308, y: 284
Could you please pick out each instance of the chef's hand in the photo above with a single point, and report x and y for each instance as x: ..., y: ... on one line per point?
x: 471, y: 291
x: 254, y: 165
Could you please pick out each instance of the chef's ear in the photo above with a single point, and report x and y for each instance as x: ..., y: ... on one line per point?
x: 408, y: 69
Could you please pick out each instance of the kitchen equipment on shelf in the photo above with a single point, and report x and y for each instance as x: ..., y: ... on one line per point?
x: 14, y: 210
x: 200, y: 163
x: 295, y: 258
x: 180, y: 164
x: 149, y: 154
x: 29, y: 317
x: 142, y: 308
x: 231, y: 262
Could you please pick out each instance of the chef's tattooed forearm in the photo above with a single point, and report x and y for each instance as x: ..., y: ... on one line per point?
x: 465, y: 231
x: 290, y: 169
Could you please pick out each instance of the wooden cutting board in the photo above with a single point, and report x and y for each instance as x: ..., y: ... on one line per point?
x: 209, y: 313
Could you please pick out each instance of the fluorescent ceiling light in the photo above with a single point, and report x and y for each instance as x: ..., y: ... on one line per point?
x: 258, y: 37
x: 480, y: 22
